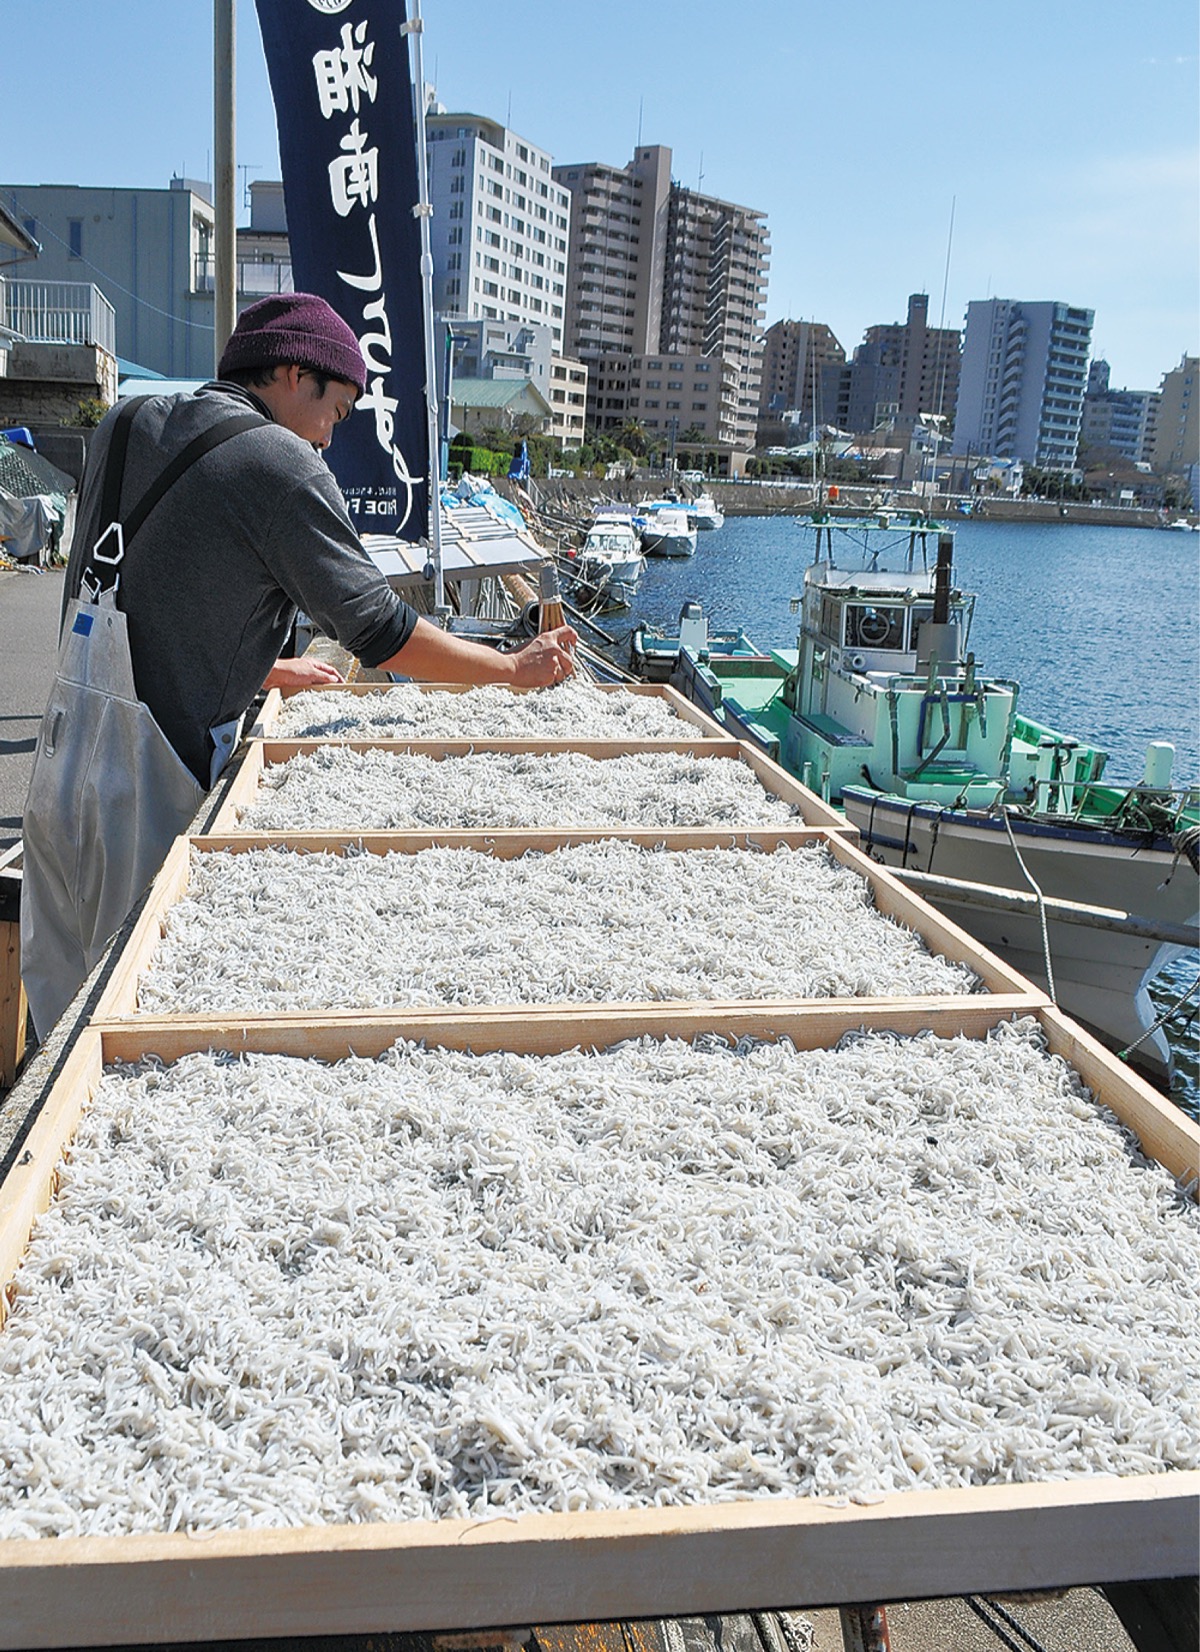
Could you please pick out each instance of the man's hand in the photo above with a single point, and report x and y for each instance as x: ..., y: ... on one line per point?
x: 292, y: 676
x: 545, y: 659
x: 434, y: 656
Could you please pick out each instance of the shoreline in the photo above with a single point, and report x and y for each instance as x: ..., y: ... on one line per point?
x: 776, y: 499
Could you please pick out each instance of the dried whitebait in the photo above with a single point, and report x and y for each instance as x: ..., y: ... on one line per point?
x: 334, y: 789
x: 270, y: 929
x: 274, y: 1292
x: 574, y: 710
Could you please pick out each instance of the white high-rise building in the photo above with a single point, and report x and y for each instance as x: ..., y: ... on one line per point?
x: 500, y: 228
x: 1024, y: 376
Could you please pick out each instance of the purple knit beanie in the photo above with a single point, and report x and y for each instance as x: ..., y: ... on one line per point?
x: 295, y: 327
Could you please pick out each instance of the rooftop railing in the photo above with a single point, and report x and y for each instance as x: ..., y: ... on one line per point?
x: 58, y: 312
x: 255, y: 278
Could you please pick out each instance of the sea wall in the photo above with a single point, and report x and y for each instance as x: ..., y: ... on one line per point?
x: 574, y: 496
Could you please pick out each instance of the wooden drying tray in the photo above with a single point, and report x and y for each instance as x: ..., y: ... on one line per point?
x: 891, y: 899
x: 266, y: 724
x: 263, y: 754
x: 793, y: 1552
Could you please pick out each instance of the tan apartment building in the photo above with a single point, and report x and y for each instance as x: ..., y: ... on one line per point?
x: 661, y: 279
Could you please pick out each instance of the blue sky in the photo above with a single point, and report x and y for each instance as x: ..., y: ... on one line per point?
x: 1063, y: 134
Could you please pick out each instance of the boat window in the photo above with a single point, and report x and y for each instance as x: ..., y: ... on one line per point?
x: 870, y: 627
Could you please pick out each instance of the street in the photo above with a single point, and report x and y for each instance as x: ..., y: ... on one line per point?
x: 29, y: 609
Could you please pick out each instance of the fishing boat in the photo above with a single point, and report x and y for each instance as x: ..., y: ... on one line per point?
x: 704, y: 513
x: 1004, y: 823
x: 604, y: 571
x: 665, y: 529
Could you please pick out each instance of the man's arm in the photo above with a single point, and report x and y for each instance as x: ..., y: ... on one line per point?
x: 434, y: 656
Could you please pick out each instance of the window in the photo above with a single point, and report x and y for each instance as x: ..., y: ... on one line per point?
x: 75, y: 236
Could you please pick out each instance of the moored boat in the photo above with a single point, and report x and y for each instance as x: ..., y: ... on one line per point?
x: 704, y: 513
x: 666, y: 531
x: 1006, y: 824
x: 605, y: 570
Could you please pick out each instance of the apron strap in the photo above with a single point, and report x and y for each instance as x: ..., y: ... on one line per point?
x: 120, y: 533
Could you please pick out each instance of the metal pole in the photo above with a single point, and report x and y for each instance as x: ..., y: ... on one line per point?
x: 414, y: 28
x: 224, y: 177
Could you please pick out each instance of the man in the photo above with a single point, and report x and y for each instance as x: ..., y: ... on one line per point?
x: 230, y: 522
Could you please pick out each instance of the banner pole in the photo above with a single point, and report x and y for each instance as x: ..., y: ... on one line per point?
x: 424, y: 211
x: 224, y: 178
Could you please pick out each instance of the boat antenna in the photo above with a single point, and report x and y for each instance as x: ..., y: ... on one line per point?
x: 939, y: 413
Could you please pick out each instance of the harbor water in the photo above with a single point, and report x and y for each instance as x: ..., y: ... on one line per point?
x: 1100, y: 626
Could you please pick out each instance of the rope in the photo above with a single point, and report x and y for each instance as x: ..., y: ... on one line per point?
x: 1163, y: 1019
x: 1000, y: 1621
x: 1041, y: 900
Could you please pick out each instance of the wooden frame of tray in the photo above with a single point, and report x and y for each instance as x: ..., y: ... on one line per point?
x: 787, y: 1552
x: 263, y: 754
x: 891, y: 898
x: 266, y: 722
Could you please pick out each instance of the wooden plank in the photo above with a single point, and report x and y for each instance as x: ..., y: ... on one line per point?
x: 170, y: 885
x: 241, y: 789
x: 282, y: 751
x: 607, y: 1566
x: 30, y: 1180
x: 813, y: 809
x: 939, y: 933
x: 1165, y: 1131
x: 506, y: 843
x: 14, y: 1011
x: 268, y: 715
x: 544, y: 1029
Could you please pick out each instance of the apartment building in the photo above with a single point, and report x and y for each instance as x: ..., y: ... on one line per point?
x: 483, y: 349
x: 501, y: 225
x: 795, y: 354
x: 1176, y: 449
x: 1024, y: 375
x: 663, y: 274
x: 149, y: 251
x: 927, y: 362
x: 1118, y: 421
x: 568, y: 400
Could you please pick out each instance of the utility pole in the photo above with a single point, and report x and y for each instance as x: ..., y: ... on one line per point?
x: 224, y: 178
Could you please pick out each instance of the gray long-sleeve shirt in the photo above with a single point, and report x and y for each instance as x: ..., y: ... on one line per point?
x: 211, y: 583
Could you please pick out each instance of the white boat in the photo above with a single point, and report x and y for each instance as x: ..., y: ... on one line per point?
x: 1003, y: 823
x: 612, y: 545
x: 704, y: 513
x: 666, y: 530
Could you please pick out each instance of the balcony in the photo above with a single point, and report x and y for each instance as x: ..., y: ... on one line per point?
x: 58, y: 312
x: 254, y: 279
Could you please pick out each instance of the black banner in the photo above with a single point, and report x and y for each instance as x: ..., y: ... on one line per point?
x: 347, y: 142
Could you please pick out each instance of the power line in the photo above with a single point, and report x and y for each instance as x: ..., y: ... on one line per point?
x: 110, y: 280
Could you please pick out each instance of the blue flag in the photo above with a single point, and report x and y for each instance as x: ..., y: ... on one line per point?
x: 343, y: 96
x: 518, y: 471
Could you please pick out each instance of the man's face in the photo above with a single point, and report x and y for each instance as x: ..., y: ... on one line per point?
x: 303, y: 409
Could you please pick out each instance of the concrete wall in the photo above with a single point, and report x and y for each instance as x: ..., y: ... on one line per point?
x: 44, y: 383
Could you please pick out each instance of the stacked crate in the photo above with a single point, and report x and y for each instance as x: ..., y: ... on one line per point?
x: 355, y: 1578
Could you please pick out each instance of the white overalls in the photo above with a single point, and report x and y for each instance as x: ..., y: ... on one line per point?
x: 108, y: 795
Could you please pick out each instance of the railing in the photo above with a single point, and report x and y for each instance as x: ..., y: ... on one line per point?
x: 253, y: 277
x: 58, y: 312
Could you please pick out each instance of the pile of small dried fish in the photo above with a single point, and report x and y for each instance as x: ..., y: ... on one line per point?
x: 273, y: 1292
x: 334, y: 789
x: 274, y: 930
x: 575, y: 710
